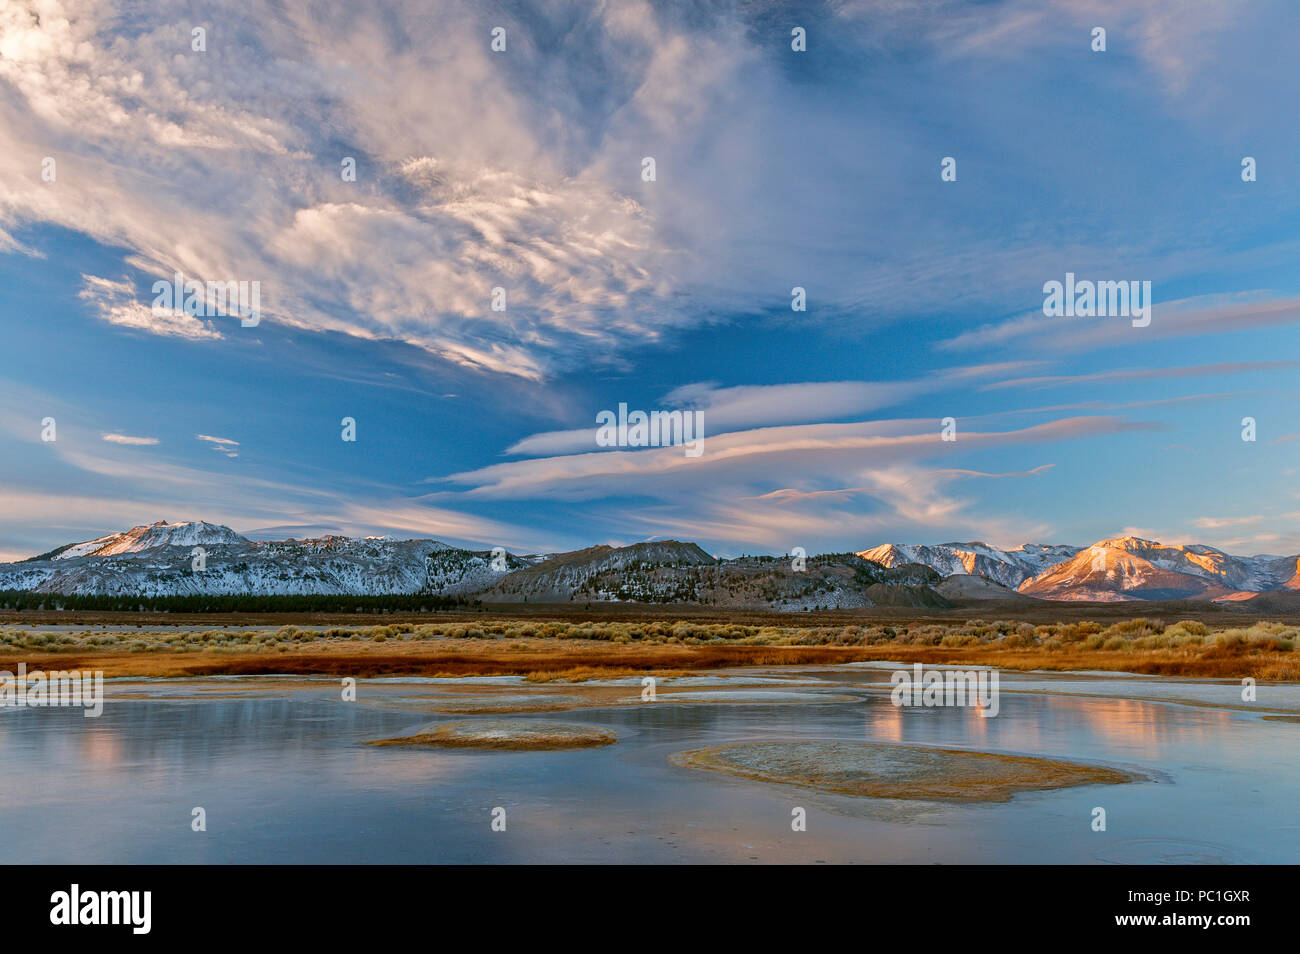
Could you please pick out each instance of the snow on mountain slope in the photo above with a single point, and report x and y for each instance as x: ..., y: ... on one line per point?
x: 1127, y: 568
x: 1008, y: 567
x: 1104, y: 575
x: 1123, y: 568
x: 157, y: 560
x: 73, y: 550
x: 1209, y: 563
x: 161, y: 534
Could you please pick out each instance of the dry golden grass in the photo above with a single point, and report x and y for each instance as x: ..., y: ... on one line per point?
x: 573, y: 651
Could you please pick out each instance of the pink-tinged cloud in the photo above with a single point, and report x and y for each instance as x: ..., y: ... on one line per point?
x: 1145, y: 374
x: 1169, y: 319
x: 763, y: 453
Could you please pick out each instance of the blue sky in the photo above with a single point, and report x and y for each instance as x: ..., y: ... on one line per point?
x: 521, y: 169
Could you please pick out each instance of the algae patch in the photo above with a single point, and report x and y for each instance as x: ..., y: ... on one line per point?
x: 515, y: 735
x: 873, y: 770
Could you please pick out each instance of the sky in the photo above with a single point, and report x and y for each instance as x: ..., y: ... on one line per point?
x: 221, y: 155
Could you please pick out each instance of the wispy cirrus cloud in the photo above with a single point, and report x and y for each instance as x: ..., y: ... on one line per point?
x: 1220, y: 523
x: 1204, y: 315
x: 222, y: 445
x: 739, y: 407
x: 732, y: 408
x: 129, y: 440
x: 758, y: 486
x: 768, y: 451
x: 788, y: 493
x: 1175, y: 40
x: 1145, y: 374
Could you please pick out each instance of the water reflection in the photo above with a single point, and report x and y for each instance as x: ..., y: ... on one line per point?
x: 285, y: 777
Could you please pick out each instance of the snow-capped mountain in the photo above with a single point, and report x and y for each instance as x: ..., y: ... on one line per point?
x: 1008, y: 567
x: 231, y: 564
x: 160, y: 534
x: 1129, y: 568
x: 165, y: 559
x: 1124, y: 568
x: 197, y: 558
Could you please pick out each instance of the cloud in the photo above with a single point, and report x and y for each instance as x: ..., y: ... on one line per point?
x: 195, y: 164
x: 1112, y: 406
x: 727, y: 409
x: 222, y: 445
x: 133, y: 441
x: 1176, y: 40
x: 961, y: 472
x: 732, y: 408
x: 787, y: 493
x: 115, y: 302
x: 1219, y: 523
x: 1203, y: 315
x: 1144, y: 374
x: 86, y: 487
x: 762, y: 485
x: 522, y: 171
x: 1219, y: 532
x: 62, y: 518
x: 765, y: 451
x: 893, y: 501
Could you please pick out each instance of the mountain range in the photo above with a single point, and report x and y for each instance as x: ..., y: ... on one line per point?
x: 199, y: 558
x: 1008, y: 567
x: 159, y: 560
x: 1121, y: 569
